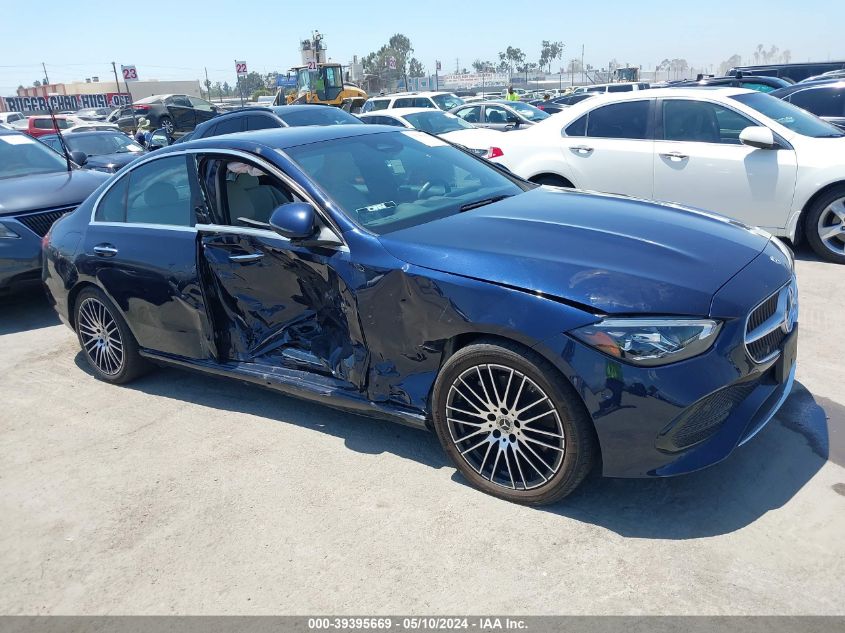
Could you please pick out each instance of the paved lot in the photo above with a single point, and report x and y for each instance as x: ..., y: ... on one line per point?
x: 188, y: 494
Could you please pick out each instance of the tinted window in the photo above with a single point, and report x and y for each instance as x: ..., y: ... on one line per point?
x: 375, y: 104
x: 578, y: 128
x: 258, y: 122
x: 229, y: 125
x: 404, y: 103
x: 820, y: 101
x: 791, y: 117
x: 620, y: 88
x: 470, y: 115
x: 424, y: 102
x: 178, y: 101
x: 702, y: 122
x: 112, y: 207
x: 619, y: 120
x: 159, y: 193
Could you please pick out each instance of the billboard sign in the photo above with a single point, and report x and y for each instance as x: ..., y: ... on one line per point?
x: 65, y: 102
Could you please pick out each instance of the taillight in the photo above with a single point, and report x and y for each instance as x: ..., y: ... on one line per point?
x: 494, y: 152
x: 141, y: 108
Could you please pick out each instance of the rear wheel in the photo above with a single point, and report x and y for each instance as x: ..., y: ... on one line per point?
x: 824, y: 226
x: 511, y: 424
x: 106, y: 341
x: 166, y: 123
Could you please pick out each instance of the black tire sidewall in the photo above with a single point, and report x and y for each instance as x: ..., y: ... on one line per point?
x: 811, y: 222
x: 133, y: 364
x: 578, y: 437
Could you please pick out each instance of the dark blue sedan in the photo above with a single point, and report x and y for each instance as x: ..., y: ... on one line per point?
x: 539, y: 332
x: 37, y: 186
x: 103, y: 151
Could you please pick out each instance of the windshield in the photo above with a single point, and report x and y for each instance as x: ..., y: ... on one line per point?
x: 394, y: 180
x: 436, y: 122
x: 790, y: 116
x: 99, y: 144
x: 447, y: 102
x: 23, y: 156
x: 314, y: 115
x: 529, y: 111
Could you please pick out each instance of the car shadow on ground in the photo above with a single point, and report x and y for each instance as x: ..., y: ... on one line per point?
x: 26, y: 310
x: 761, y: 476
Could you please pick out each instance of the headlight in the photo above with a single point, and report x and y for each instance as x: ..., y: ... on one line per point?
x: 650, y: 341
x: 787, y: 252
x: 6, y: 232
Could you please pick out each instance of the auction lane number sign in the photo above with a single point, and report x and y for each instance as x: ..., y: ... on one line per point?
x: 240, y: 69
x: 130, y: 73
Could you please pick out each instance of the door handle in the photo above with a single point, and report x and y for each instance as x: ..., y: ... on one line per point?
x: 675, y: 156
x: 247, y: 258
x: 105, y: 250
x: 581, y: 149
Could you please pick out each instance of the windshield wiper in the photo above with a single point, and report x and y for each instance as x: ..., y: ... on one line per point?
x: 480, y: 203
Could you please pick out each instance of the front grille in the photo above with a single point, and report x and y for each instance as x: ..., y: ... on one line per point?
x: 770, y: 323
x: 39, y: 223
x: 703, y: 419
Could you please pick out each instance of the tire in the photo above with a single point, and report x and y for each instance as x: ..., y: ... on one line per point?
x: 105, y: 339
x: 824, y: 225
x: 167, y: 123
x: 546, y: 455
x: 552, y: 181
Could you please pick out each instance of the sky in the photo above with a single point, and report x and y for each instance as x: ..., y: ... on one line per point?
x: 181, y: 39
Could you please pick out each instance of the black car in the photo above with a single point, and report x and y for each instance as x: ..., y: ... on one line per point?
x: 104, y: 151
x: 547, y: 106
x: 760, y: 83
x: 261, y: 118
x: 790, y: 72
x: 569, y: 100
x: 825, y: 99
x: 177, y: 114
x: 37, y: 187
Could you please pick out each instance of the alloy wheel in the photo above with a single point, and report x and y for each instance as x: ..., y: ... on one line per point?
x: 505, y: 426
x: 831, y: 226
x: 168, y: 126
x: 100, y: 336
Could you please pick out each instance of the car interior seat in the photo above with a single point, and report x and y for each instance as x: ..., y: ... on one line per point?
x: 161, y: 205
x: 694, y: 123
x: 495, y: 116
x: 248, y: 198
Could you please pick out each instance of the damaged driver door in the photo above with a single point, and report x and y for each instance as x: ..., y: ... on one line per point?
x: 273, y: 302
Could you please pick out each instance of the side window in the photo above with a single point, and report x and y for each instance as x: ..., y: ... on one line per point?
x: 160, y: 193
x: 180, y: 101
x: 620, y: 88
x: 470, y: 115
x: 260, y: 122
x: 250, y: 194
x: 577, y: 128
x: 423, y: 102
x: 403, y: 103
x: 389, y: 120
x: 701, y: 122
x: 200, y: 104
x: 380, y: 104
x: 821, y: 102
x: 628, y: 119
x: 229, y: 125
x: 495, y: 114
x: 112, y: 207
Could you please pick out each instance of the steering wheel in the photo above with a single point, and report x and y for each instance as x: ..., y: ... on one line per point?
x: 430, y: 183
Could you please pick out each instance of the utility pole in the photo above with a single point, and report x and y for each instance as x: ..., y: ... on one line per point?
x: 46, y: 78
x: 117, y: 89
x: 582, y: 63
x: 207, y: 84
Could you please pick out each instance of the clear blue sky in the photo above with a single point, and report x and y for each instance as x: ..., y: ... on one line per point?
x: 177, y: 39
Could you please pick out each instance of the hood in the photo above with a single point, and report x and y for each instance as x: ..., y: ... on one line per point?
x: 477, y: 138
x: 112, y: 161
x: 611, y: 253
x: 45, y: 191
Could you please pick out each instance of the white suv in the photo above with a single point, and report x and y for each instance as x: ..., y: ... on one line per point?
x: 741, y: 153
x: 442, y: 100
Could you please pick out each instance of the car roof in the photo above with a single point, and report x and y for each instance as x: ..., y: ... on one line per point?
x: 836, y: 84
x: 283, y: 138
x: 400, y: 111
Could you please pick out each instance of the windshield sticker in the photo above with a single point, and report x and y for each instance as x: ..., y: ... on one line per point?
x: 14, y: 139
x: 376, y: 211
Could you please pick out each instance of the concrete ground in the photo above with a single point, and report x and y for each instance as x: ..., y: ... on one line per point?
x: 188, y: 494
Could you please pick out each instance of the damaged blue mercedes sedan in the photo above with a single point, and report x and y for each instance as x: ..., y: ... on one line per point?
x: 539, y: 332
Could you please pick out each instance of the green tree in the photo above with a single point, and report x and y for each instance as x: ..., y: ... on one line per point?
x: 511, y: 59
x: 252, y: 82
x: 270, y: 80
x: 377, y: 63
x: 227, y: 89
x: 415, y: 68
x: 36, y: 83
x: 549, y: 52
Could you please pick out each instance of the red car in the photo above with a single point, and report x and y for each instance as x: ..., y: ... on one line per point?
x: 40, y: 125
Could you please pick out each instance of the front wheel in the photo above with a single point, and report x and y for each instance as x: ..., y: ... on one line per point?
x: 106, y: 341
x: 825, y: 226
x: 166, y: 123
x: 511, y: 424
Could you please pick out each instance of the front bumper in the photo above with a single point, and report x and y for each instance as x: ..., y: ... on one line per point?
x: 682, y: 417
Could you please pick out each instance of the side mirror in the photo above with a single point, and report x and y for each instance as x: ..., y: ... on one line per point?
x: 80, y: 158
x: 294, y: 220
x: 758, y: 136
x: 158, y: 139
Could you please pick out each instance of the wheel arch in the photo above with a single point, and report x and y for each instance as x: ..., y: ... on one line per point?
x: 801, y: 218
x: 72, y: 295
x: 551, y: 176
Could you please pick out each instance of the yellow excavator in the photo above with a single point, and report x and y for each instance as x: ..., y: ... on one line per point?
x: 321, y: 83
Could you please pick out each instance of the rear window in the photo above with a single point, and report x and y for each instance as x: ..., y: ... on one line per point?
x: 578, y: 128
x: 47, y: 124
x: 628, y: 120
x: 375, y: 104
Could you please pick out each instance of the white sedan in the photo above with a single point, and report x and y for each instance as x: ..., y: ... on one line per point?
x: 448, y: 126
x: 738, y: 152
